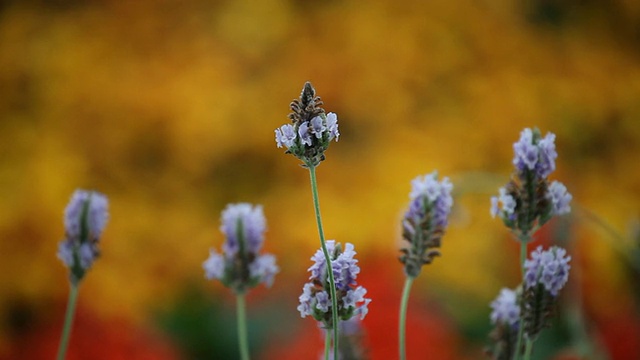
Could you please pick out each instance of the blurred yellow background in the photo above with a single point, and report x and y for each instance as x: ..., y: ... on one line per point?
x: 169, y: 108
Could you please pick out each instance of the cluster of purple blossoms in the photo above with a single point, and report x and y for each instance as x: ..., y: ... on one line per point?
x: 315, y: 300
x: 240, y: 266
x: 549, y: 268
x: 529, y: 200
x: 425, y: 221
x: 84, y: 220
x: 505, y: 308
x: 311, y: 130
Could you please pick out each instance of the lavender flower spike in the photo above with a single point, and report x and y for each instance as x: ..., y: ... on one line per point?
x: 84, y: 220
x: 528, y: 201
x: 425, y: 221
x: 315, y: 299
x: 311, y: 130
x: 241, y: 266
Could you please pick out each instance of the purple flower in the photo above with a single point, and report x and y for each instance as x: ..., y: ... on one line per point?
x: 548, y: 155
x: 306, y: 300
x: 317, y: 127
x: 309, y: 122
x: 303, y: 132
x: 526, y: 152
x: 508, y: 205
x: 264, y: 267
x: 84, y: 219
x: 316, y: 293
x: 549, y: 268
x: 332, y: 126
x: 323, y: 303
x: 505, y: 308
x: 214, y: 265
x: 528, y: 201
x: 425, y: 220
x: 242, y: 222
x: 560, y: 198
x: 89, y: 207
x: 240, y: 266
x: 286, y: 136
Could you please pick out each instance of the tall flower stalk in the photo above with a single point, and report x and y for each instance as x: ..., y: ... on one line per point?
x: 524, y: 205
x: 84, y: 220
x: 307, y: 138
x: 241, y: 267
x: 423, y: 226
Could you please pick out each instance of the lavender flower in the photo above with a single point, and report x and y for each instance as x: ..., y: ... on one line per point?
x: 240, y: 266
x: 242, y: 221
x: 286, y: 136
x: 546, y: 273
x: 315, y: 300
x: 528, y: 201
x: 505, y: 308
x: 311, y: 131
x: 549, y: 268
x: 505, y: 316
x: 425, y: 221
x: 560, y: 198
x: 84, y: 219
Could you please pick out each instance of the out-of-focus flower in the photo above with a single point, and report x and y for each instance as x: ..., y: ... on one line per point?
x: 85, y: 218
x: 240, y: 266
x: 425, y: 221
x: 529, y: 201
x: 505, y: 308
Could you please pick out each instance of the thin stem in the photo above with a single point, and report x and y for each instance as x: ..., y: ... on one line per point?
x: 528, y: 347
x: 403, y: 316
x: 523, y: 257
x: 242, y: 328
x: 334, y: 300
x: 327, y: 344
x: 68, y: 321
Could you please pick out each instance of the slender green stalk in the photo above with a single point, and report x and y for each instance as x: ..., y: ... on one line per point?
x: 403, y: 316
x: 327, y: 344
x: 242, y: 328
x: 332, y: 284
x: 523, y: 257
x: 528, y: 347
x: 68, y: 321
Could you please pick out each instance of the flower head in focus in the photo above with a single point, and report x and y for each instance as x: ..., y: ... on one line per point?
x: 311, y: 131
x: 241, y: 266
x: 85, y: 218
x: 425, y: 221
x: 315, y: 300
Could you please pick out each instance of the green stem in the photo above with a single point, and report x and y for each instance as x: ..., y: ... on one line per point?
x: 334, y: 300
x: 523, y: 257
x: 327, y: 344
x: 403, y: 316
x: 528, y: 347
x: 242, y: 328
x: 68, y: 320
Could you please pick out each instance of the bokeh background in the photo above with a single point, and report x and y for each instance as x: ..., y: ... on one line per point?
x: 169, y: 108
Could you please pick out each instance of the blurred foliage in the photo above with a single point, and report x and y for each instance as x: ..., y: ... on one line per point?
x: 169, y: 107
